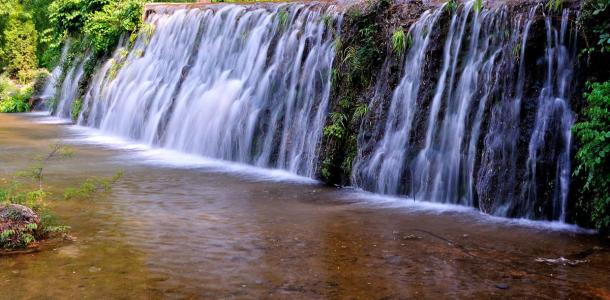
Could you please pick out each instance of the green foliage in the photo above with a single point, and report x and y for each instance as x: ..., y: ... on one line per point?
x: 14, y: 99
x: 40, y: 79
x: 39, y: 9
x: 451, y: 5
x: 67, y: 17
x: 5, y: 234
x: 77, y: 105
x: 517, y: 50
x: 365, y: 55
x: 19, y: 37
x: 595, y: 18
x: 98, y: 24
x: 283, y: 20
x: 554, y: 4
x: 27, y: 239
x: 360, y: 51
x: 26, y: 188
x: 327, y: 20
x: 13, y: 105
x: 31, y: 226
x: 360, y: 111
x: 15, y: 233
x: 325, y: 169
x: 147, y: 30
x: 593, y: 157
x: 478, y: 6
x: 399, y: 41
x: 91, y: 186
x: 138, y: 53
x: 337, y: 127
x: 104, y: 27
x: 115, y: 68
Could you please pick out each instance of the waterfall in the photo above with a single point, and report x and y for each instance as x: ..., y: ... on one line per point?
x: 479, y: 114
x: 383, y: 169
x: 443, y: 169
x: 467, y: 151
x: 552, y: 136
x: 48, y: 91
x: 497, y: 179
x: 231, y: 82
x: 68, y: 90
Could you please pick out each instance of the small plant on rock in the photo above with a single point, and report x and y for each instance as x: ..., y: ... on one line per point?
x: 399, y: 41
x: 451, y: 5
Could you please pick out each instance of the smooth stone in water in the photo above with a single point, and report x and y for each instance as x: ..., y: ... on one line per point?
x: 502, y: 286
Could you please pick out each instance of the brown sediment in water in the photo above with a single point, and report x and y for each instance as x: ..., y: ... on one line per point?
x: 169, y: 232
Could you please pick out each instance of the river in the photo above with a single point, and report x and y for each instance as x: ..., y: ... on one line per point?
x: 182, y: 227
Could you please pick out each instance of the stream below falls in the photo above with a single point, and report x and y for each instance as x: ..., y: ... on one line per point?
x: 175, y: 227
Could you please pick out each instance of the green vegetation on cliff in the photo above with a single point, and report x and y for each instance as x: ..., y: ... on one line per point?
x: 593, y: 127
x: 593, y: 156
x: 360, y: 51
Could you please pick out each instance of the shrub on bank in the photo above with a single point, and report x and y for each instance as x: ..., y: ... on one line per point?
x: 14, y: 98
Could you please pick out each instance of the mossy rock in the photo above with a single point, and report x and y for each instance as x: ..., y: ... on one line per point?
x: 19, y: 226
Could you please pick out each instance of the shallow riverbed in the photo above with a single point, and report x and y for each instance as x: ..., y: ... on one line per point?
x: 181, y: 227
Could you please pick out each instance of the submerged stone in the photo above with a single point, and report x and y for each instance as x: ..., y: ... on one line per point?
x: 502, y: 286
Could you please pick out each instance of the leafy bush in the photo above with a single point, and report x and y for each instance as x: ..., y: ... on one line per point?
x: 337, y: 127
x: 12, y: 98
x: 104, y: 27
x: 19, y: 47
x: 593, y: 157
x: 13, y: 105
x: 66, y: 16
x: 595, y: 18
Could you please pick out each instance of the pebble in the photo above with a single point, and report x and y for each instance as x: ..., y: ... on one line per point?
x: 502, y: 286
x: 94, y: 269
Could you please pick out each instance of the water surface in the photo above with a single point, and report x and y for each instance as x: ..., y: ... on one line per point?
x: 174, y: 229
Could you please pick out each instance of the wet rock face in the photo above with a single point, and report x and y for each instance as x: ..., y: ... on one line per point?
x: 509, y: 160
x: 19, y: 226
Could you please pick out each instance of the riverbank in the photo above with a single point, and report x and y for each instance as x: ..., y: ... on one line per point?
x: 167, y: 231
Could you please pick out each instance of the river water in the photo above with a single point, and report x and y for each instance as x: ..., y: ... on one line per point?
x: 181, y: 227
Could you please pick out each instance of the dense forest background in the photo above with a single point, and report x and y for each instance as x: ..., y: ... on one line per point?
x: 34, y: 32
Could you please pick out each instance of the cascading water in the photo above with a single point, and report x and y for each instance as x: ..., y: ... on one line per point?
x: 469, y: 152
x: 382, y: 171
x: 552, y: 132
x: 498, y: 175
x: 479, y: 116
x: 230, y: 82
x: 67, y: 92
x: 50, y: 87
